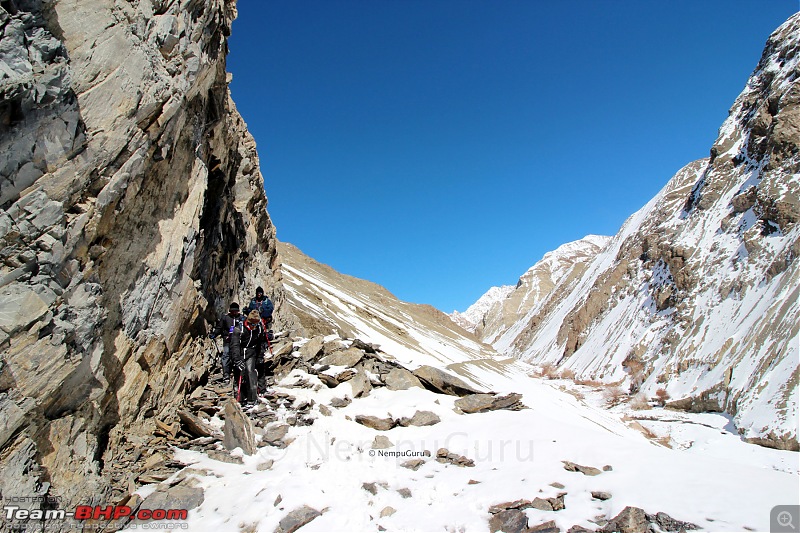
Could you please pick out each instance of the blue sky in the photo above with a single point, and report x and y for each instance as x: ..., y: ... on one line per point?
x: 441, y: 147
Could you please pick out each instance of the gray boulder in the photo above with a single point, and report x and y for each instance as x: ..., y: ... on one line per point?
x: 328, y: 380
x: 282, y: 349
x: 346, y: 375
x: 585, y: 470
x: 238, y: 429
x: 20, y: 306
x: 636, y: 520
x: 629, y: 520
x: 667, y: 523
x: 516, y: 504
x: 420, y: 418
x: 367, y: 347
x: 381, y: 424
x: 176, y: 497
x: 338, y: 403
x: 297, y: 519
x: 361, y: 385
x: 381, y: 442
x: 443, y: 382
x: 400, y: 379
x: 349, y: 358
x: 509, y: 521
x: 311, y: 349
x: 224, y: 457
x: 194, y: 425
x: 481, y: 403
x: 547, y: 527
x: 550, y: 504
x: 413, y: 464
x: 332, y: 346
x: 443, y: 455
x: 275, y: 434
x: 372, y: 488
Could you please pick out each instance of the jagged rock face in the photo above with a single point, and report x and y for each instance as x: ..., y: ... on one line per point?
x: 500, y: 308
x: 698, y: 292
x: 133, y: 211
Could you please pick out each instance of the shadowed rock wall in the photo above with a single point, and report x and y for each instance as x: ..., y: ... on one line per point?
x: 132, y: 212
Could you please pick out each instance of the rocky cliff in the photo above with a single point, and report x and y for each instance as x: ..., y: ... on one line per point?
x: 133, y: 211
x: 698, y: 292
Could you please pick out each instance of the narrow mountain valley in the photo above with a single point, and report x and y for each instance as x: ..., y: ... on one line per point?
x: 644, y: 382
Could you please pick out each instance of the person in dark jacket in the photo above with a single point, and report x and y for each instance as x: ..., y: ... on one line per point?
x: 263, y: 305
x: 252, y: 343
x: 230, y: 327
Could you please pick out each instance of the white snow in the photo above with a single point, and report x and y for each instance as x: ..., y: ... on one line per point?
x: 475, y: 313
x: 710, y: 477
x: 416, y: 346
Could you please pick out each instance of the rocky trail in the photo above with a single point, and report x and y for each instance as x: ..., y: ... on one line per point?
x: 346, y: 438
x: 212, y: 422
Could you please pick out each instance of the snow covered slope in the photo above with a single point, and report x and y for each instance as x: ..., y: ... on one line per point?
x: 698, y: 292
x: 327, y: 302
x: 473, y: 317
x: 501, y: 307
x: 333, y: 474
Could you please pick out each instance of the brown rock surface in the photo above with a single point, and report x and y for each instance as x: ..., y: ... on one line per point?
x: 121, y: 187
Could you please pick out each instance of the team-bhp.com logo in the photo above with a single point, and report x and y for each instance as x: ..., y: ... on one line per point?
x: 117, y: 512
x: 112, y: 513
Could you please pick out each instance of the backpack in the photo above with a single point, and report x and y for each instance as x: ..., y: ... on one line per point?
x: 264, y: 307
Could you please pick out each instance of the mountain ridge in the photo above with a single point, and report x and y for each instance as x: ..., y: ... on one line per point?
x: 697, y: 293
x: 493, y: 313
x: 326, y: 302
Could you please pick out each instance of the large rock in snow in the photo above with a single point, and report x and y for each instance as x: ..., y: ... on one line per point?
x: 239, y: 431
x: 400, y: 379
x: 442, y: 381
x: 481, y: 403
x: 297, y: 519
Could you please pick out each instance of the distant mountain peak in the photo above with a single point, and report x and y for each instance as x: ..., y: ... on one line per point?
x: 499, y: 307
x: 697, y: 294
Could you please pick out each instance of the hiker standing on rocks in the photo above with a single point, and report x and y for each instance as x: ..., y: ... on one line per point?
x: 264, y: 306
x: 253, y: 340
x: 230, y: 327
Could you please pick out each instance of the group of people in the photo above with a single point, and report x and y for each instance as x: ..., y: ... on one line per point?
x: 245, y: 340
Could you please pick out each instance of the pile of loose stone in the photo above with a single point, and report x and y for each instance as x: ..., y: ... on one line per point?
x: 509, y: 517
x: 189, y: 425
x: 333, y: 362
